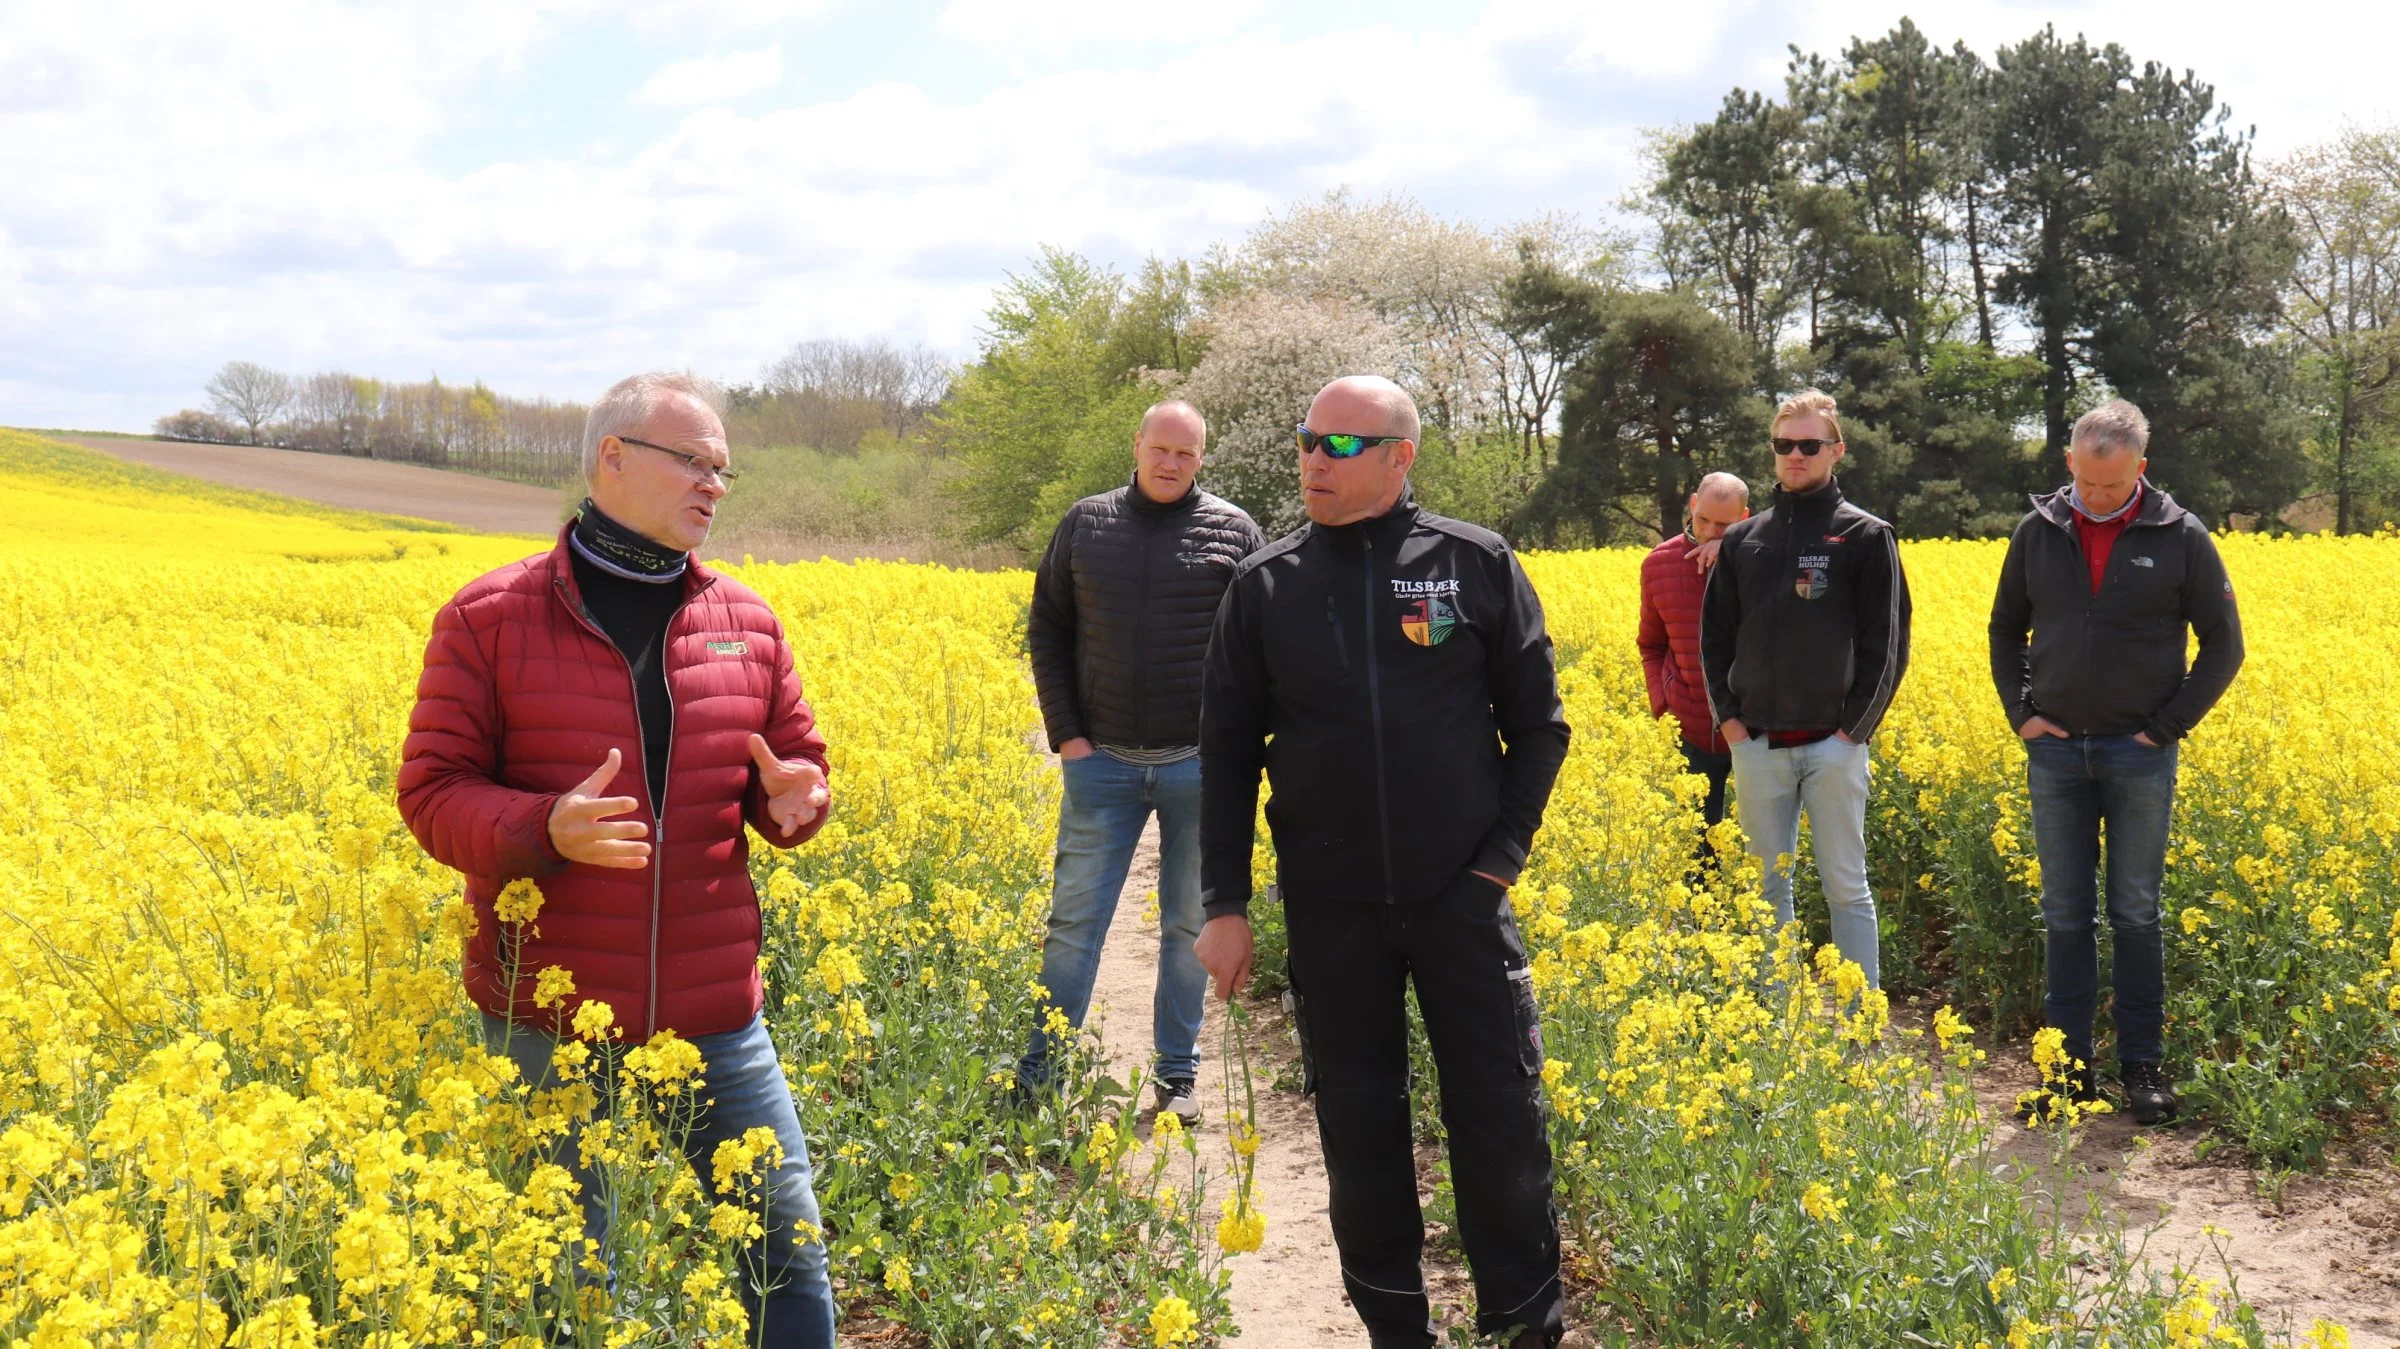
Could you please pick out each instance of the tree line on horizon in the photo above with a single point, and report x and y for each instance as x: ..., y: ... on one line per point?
x: 1966, y: 252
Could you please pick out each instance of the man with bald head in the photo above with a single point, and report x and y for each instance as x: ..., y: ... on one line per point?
x: 1674, y: 578
x: 1390, y: 671
x: 1122, y: 604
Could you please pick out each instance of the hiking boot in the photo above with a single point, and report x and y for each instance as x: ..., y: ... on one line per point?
x: 1180, y: 1097
x: 2047, y: 1103
x: 2149, y: 1095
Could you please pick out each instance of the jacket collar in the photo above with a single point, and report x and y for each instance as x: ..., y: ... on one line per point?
x: 1818, y: 500
x: 696, y: 577
x: 1140, y: 500
x: 1385, y: 530
x: 2157, y: 508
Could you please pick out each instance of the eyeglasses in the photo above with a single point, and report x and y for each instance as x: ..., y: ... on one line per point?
x: 1805, y: 448
x: 701, y: 469
x: 1338, y: 444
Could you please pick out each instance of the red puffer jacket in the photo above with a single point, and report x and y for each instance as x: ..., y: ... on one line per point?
x: 1670, y: 641
x: 522, y: 697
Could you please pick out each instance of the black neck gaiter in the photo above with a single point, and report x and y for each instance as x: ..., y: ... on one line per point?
x: 620, y: 551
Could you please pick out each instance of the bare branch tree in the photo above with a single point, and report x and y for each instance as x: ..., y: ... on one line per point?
x: 250, y: 394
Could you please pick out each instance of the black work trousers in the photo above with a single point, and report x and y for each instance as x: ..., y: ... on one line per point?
x: 1349, y: 966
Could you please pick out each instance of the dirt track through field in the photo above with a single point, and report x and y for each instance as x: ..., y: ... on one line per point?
x: 357, y: 484
x: 1288, y: 1293
x: 2325, y: 1246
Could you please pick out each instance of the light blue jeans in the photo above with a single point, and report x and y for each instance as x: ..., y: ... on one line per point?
x: 1829, y: 781
x: 744, y: 1089
x: 1100, y: 820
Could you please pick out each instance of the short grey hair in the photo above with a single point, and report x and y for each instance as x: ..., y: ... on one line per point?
x: 2112, y: 426
x: 630, y: 401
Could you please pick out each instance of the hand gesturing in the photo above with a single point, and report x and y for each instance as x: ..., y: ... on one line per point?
x: 795, y: 788
x: 582, y: 832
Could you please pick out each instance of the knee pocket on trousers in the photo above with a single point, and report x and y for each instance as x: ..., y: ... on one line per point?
x: 1296, y: 1003
x: 1526, y: 1012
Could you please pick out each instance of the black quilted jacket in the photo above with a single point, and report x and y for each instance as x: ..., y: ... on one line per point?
x: 1122, y: 606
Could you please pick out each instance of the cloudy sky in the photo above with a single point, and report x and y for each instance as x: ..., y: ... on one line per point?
x: 544, y: 194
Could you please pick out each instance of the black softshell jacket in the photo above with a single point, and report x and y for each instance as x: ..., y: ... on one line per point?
x: 1122, y: 604
x: 1394, y: 679
x: 2113, y: 663
x: 1804, y: 624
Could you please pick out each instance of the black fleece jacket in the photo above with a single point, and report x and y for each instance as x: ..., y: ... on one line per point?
x: 2113, y: 663
x: 1804, y: 624
x: 1394, y: 679
x: 1122, y: 604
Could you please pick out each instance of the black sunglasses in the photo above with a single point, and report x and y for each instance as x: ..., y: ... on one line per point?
x: 1807, y: 449
x: 701, y: 468
x: 1338, y: 444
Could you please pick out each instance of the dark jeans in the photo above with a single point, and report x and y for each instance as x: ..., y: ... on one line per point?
x: 1350, y: 963
x: 2082, y: 787
x: 1716, y: 768
x: 744, y: 1089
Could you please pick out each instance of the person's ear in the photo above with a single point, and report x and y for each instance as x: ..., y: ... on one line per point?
x: 1404, y: 454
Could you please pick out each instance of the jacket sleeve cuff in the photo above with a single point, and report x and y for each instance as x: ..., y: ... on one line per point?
x: 1225, y: 907
x: 2161, y: 733
x: 1498, y: 859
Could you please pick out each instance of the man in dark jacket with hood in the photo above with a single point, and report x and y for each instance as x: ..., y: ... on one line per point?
x: 1122, y: 604
x: 2109, y: 574
x: 1803, y: 639
x: 1390, y: 671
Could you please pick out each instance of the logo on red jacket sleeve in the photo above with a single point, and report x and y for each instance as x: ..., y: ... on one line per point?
x: 729, y: 648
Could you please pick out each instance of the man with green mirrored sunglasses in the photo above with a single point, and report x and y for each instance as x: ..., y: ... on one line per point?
x: 1401, y: 663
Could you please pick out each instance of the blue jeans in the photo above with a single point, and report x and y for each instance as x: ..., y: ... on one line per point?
x: 1828, y: 780
x: 1099, y: 821
x: 744, y: 1089
x: 2082, y: 786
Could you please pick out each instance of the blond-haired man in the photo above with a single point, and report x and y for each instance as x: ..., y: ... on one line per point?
x: 1803, y: 639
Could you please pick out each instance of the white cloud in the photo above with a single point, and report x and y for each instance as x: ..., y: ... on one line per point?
x: 1055, y: 23
x: 251, y: 181
x: 662, y: 16
x: 714, y: 79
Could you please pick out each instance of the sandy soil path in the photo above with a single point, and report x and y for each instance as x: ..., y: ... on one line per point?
x: 2325, y: 1246
x: 1288, y: 1293
x: 359, y: 484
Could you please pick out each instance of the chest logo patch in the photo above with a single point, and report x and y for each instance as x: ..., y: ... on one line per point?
x: 1813, y: 576
x: 729, y: 648
x: 2142, y: 561
x: 1428, y: 609
x: 1428, y: 621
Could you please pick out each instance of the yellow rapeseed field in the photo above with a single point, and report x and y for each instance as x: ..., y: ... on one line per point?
x: 242, y: 1100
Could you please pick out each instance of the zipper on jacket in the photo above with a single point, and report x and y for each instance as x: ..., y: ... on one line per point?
x: 1341, y: 644
x: 658, y: 808
x: 1383, y: 808
x: 1147, y: 545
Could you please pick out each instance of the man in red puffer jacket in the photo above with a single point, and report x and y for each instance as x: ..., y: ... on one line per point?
x: 1674, y: 576
x: 603, y: 719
